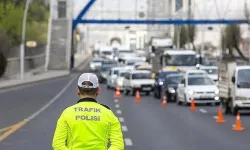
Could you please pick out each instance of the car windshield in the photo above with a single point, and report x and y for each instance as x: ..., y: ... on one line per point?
x: 97, y: 61
x: 174, y: 79
x: 130, y: 63
x: 122, y: 74
x: 116, y: 72
x: 243, y: 78
x: 106, y: 52
x: 105, y: 68
x: 211, y: 71
x: 164, y: 74
x: 141, y: 76
x: 200, y: 81
x: 180, y: 60
x: 108, y: 62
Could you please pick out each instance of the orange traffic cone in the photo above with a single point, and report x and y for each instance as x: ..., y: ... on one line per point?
x: 137, y: 97
x: 117, y: 92
x: 220, y: 118
x: 164, y: 101
x: 238, y: 125
x: 192, y: 106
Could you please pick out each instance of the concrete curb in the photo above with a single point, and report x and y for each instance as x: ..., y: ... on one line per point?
x: 36, y: 79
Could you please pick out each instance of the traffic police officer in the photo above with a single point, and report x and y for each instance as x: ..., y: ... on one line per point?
x: 88, y: 125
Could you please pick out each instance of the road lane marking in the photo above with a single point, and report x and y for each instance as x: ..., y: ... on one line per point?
x: 11, y: 129
x: 215, y: 117
x: 51, y: 101
x: 203, y: 111
x: 117, y: 106
x: 119, y: 112
x: 128, y: 142
x: 116, y: 100
x: 124, y: 128
x: 121, y: 119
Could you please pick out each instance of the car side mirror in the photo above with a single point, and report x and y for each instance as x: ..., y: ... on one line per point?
x: 233, y: 79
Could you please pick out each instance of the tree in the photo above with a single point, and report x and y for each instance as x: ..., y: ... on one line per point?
x: 231, y: 38
x: 182, y: 36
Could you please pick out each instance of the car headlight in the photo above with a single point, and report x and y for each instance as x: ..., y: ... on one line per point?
x: 92, y: 65
x: 241, y: 98
x: 171, y: 90
x: 190, y: 92
x: 144, y: 59
x: 160, y: 83
x: 119, y: 82
x: 216, y: 91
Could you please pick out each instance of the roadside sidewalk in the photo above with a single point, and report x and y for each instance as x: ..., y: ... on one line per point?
x: 39, y: 74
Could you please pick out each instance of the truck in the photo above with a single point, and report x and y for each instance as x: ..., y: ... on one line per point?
x: 234, y: 86
x: 156, y: 48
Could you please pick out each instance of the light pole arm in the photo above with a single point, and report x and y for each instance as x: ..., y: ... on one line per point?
x: 22, y: 47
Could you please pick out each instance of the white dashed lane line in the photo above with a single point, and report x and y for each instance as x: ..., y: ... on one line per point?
x: 128, y: 142
x: 119, y: 112
x: 121, y: 119
x: 124, y: 128
x: 203, y: 111
x: 215, y: 117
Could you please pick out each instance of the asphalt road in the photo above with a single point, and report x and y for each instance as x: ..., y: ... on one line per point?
x: 146, y: 125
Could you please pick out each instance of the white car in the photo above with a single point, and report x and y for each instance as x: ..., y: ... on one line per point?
x: 107, y: 52
x: 120, y: 79
x: 138, y: 80
x: 95, y: 64
x: 212, y: 72
x: 201, y: 88
x: 112, y: 75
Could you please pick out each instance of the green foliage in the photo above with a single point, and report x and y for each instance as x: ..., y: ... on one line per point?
x: 231, y: 37
x: 11, y: 18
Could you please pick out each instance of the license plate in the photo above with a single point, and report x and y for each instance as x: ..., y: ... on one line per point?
x: 146, y: 89
x: 205, y: 96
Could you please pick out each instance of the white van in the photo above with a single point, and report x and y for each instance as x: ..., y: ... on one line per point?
x: 107, y: 52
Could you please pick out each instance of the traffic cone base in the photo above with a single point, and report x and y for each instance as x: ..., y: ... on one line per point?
x: 238, y: 125
x: 137, y: 97
x: 192, y: 106
x: 220, y: 118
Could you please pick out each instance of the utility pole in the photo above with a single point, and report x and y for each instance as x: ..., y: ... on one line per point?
x: 22, y: 46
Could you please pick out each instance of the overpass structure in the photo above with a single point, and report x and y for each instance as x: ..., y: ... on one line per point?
x: 70, y: 24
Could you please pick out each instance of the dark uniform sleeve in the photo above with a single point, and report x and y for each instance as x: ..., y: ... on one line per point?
x: 60, y: 136
x: 116, y: 137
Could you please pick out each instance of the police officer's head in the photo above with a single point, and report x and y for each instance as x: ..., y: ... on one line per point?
x: 88, y: 85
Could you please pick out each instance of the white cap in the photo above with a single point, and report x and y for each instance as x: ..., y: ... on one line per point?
x: 89, y: 77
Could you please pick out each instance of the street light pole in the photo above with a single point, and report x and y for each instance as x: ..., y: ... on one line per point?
x: 22, y: 46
